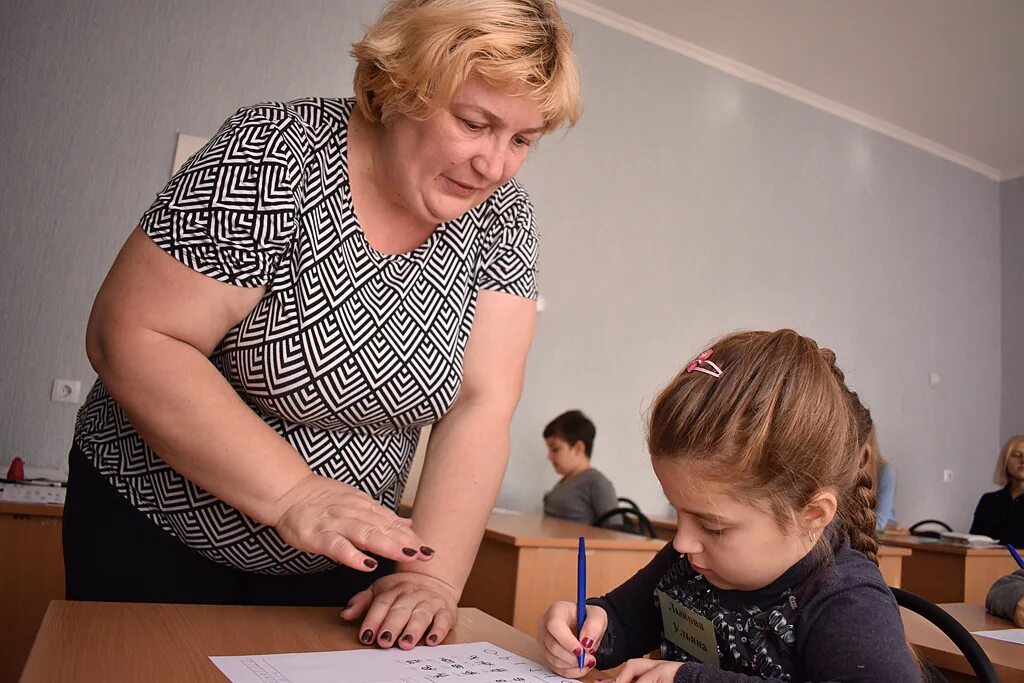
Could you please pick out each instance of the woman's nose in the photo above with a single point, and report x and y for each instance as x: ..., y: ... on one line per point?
x: 490, y: 163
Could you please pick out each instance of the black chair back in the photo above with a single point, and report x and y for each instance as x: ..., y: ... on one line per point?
x: 954, y: 630
x: 915, y: 529
x: 631, y: 519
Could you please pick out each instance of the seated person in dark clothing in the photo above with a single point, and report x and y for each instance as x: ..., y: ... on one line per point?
x: 583, y: 494
x: 1000, y: 514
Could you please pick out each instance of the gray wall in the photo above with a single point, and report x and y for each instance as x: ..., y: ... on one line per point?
x: 1011, y: 203
x: 685, y: 204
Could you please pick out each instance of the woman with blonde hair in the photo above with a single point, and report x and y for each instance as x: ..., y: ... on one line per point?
x: 1000, y: 514
x: 324, y: 278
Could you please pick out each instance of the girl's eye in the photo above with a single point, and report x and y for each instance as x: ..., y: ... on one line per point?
x: 713, y: 532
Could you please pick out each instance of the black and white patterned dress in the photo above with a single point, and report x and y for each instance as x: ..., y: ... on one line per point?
x: 349, y: 353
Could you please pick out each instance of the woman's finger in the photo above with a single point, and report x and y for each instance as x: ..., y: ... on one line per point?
x: 338, y: 548
x: 444, y: 621
x: 357, y: 605
x: 420, y: 618
x: 375, y: 615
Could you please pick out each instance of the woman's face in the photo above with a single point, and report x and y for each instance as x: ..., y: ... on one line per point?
x: 1015, y: 462
x: 442, y: 167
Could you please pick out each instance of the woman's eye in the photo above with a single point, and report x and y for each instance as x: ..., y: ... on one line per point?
x: 471, y: 125
x: 713, y: 532
x: 522, y: 142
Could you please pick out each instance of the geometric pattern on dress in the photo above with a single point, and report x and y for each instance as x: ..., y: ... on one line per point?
x: 349, y: 352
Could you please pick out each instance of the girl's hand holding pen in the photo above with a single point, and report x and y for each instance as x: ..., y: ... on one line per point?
x: 561, y: 647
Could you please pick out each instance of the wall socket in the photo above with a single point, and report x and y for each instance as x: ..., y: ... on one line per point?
x: 947, y: 476
x: 66, y: 391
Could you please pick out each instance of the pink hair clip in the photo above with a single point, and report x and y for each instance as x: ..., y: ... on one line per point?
x: 702, y: 359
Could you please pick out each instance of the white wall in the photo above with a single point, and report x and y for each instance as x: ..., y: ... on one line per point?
x: 1011, y: 196
x: 684, y: 205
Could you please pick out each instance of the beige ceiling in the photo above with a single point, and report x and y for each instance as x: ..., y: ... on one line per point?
x: 949, y: 73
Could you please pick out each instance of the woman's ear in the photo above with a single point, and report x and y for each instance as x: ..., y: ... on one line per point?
x: 820, y: 512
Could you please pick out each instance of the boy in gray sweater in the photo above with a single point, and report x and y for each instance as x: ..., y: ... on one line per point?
x: 583, y: 494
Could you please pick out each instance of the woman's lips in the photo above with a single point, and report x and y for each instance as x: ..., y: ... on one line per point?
x: 460, y: 189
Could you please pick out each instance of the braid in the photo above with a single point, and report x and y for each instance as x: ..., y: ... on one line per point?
x: 859, y: 517
x: 857, y: 510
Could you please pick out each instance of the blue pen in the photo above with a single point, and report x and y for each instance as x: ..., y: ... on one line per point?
x: 1016, y: 555
x: 581, y: 594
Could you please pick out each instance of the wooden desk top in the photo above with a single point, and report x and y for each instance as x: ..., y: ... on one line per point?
x: 1008, y: 658
x: 934, y: 545
x: 109, y: 641
x: 893, y: 551
x: 540, y: 531
x: 32, y: 509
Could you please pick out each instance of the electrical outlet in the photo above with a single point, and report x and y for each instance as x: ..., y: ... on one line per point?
x: 66, y: 390
x: 947, y: 476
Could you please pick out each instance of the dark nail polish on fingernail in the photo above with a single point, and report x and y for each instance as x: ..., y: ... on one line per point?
x: 372, y: 564
x: 367, y: 636
x: 426, y: 550
x: 577, y: 652
x: 586, y: 642
x: 409, y: 551
x: 432, y: 638
x: 406, y: 638
x: 591, y: 663
x: 386, y: 636
x: 591, y: 650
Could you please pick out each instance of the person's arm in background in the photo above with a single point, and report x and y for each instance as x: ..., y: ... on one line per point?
x: 602, y: 496
x: 885, y: 496
x: 1006, y: 598
x: 462, y: 473
x: 982, y: 521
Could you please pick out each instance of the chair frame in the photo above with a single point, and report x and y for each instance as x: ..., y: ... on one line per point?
x: 954, y: 630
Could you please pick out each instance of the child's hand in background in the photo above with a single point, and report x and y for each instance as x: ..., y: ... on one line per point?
x: 648, y: 671
x: 557, y: 635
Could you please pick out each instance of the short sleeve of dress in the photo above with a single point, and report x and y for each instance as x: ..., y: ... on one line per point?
x: 510, y: 259
x: 230, y: 212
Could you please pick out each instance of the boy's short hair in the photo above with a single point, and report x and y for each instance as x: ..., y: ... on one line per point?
x: 572, y: 426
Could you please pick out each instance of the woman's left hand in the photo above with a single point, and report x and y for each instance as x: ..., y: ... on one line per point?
x: 401, y: 607
x: 647, y: 671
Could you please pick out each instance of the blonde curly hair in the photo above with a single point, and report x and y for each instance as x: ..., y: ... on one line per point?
x: 415, y: 58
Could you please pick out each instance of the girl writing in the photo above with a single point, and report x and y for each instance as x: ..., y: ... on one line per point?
x: 772, y: 574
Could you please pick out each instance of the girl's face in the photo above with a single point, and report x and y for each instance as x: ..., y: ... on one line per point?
x: 1015, y: 462
x: 734, y: 545
x: 443, y: 167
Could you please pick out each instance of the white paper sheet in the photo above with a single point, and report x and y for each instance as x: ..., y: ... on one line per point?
x: 476, y: 662
x: 1010, y: 635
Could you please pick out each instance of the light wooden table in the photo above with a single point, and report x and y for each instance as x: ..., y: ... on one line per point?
x: 943, y: 572
x: 890, y: 558
x: 31, y: 574
x: 528, y: 561
x: 112, y: 641
x: 934, y: 646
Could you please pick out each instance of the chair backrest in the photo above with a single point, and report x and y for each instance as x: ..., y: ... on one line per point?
x: 954, y: 630
x: 632, y: 520
x: 915, y: 529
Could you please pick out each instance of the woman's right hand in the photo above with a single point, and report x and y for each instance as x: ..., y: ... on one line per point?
x: 562, y: 647
x: 323, y: 516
